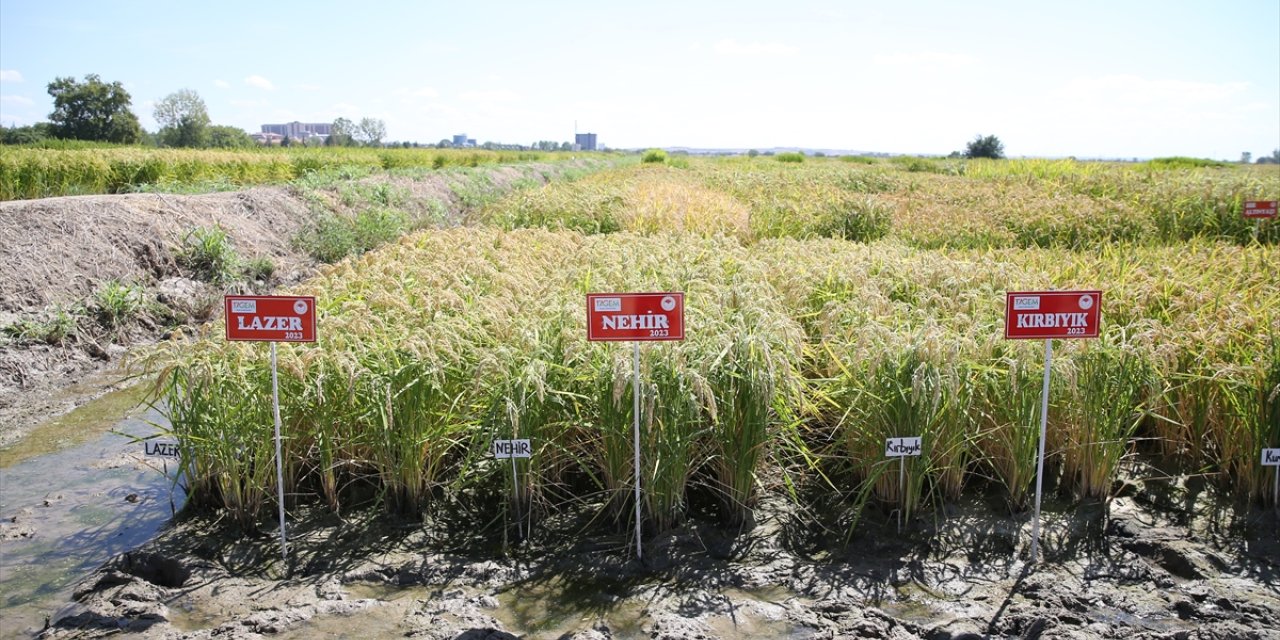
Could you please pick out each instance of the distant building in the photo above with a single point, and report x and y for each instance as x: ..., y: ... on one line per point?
x: 299, y: 130
x: 585, y: 141
x: 267, y: 138
x: 460, y: 140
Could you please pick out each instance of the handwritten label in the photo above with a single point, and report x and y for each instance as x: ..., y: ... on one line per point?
x: 900, y: 447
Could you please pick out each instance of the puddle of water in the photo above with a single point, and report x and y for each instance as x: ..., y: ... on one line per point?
x: 80, y: 424
x: 77, y: 502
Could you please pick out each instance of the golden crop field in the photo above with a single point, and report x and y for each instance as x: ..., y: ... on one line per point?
x: 830, y: 305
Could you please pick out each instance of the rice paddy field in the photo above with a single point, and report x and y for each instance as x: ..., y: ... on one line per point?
x: 829, y: 305
x: 34, y: 172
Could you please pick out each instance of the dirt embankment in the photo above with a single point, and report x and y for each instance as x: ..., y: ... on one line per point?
x: 1132, y: 571
x: 57, y: 254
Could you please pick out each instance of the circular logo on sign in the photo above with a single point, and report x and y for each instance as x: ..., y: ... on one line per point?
x: 668, y: 303
x: 300, y: 307
x: 1086, y: 301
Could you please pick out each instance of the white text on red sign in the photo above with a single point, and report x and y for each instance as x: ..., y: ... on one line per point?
x: 1052, y: 314
x: 635, y: 316
x: 271, y: 318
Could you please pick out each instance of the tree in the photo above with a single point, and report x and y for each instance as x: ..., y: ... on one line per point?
x: 342, y: 133
x: 29, y: 134
x: 184, y: 120
x: 1246, y: 157
x: 228, y: 137
x: 286, y: 141
x: 752, y: 153
x: 1274, y: 158
x: 92, y: 110
x: 985, y: 147
x: 371, y: 131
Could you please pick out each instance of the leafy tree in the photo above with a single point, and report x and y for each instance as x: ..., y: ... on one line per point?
x: 371, y: 131
x: 29, y: 134
x: 985, y: 147
x: 92, y: 110
x: 342, y: 133
x: 752, y: 153
x: 1274, y: 158
x: 1246, y: 157
x: 224, y: 137
x: 184, y: 120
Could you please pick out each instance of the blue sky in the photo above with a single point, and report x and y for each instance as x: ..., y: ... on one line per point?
x: 1085, y: 78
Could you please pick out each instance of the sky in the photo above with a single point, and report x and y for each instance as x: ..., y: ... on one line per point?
x: 1085, y: 78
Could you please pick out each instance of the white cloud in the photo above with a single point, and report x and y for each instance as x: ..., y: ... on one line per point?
x: 259, y: 82
x: 222, y: 84
x: 490, y: 95
x: 420, y: 92
x: 18, y: 100
x: 730, y: 47
x: 925, y: 60
x: 10, y: 75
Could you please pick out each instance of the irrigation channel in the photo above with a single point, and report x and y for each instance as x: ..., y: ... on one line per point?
x: 68, y: 510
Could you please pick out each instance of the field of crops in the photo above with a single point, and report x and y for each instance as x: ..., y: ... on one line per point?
x: 40, y: 173
x: 829, y: 305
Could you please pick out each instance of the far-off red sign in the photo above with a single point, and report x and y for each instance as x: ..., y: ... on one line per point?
x: 635, y: 316
x: 271, y: 318
x: 1260, y: 209
x: 1039, y: 315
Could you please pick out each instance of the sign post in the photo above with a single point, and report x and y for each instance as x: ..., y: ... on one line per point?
x: 900, y: 448
x: 635, y: 317
x: 272, y: 319
x: 514, y: 449
x: 1271, y: 458
x: 1259, y: 210
x: 1036, y: 315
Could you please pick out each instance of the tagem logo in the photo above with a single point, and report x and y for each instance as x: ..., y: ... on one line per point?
x: 608, y: 304
x: 1026, y: 303
x: 244, y: 306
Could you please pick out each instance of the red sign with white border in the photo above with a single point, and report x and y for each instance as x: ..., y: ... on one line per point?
x: 1260, y: 209
x: 635, y: 316
x: 270, y: 318
x: 1041, y: 315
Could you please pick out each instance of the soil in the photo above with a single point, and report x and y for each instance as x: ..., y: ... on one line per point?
x: 57, y: 252
x: 1128, y: 569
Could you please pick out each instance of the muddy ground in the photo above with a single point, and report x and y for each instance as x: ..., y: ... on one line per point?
x: 1130, y: 569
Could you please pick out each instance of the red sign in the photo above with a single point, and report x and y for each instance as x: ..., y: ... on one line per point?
x: 1033, y: 315
x: 635, y: 316
x: 271, y: 318
x: 1260, y: 209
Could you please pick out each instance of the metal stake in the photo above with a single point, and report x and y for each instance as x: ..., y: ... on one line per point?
x: 636, y: 394
x: 515, y: 487
x: 275, y: 409
x: 1044, y: 421
x: 902, y: 491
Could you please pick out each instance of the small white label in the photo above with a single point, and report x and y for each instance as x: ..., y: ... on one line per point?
x: 512, y: 449
x: 1026, y: 303
x: 160, y: 449
x: 1271, y: 457
x: 899, y: 447
x: 244, y: 306
x: 608, y: 304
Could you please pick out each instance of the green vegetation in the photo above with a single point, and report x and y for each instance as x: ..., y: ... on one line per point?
x: 988, y: 147
x: 208, y: 255
x: 831, y: 304
x: 92, y: 110
x: 654, y: 156
x: 791, y: 156
x: 78, y: 169
x: 53, y: 328
x: 116, y: 303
